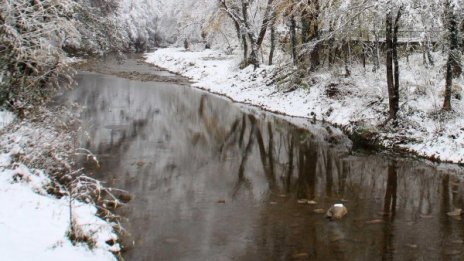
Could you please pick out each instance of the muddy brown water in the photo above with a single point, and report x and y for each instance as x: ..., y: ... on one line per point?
x: 213, y: 180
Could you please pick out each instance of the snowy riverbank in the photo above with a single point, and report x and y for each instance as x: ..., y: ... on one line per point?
x: 358, y: 102
x: 33, y: 223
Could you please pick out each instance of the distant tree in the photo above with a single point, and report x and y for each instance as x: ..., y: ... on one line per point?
x: 139, y: 21
x: 100, y: 28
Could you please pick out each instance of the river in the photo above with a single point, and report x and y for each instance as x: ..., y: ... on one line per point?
x: 214, y: 180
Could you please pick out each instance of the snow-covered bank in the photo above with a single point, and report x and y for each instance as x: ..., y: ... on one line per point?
x: 34, y: 224
x: 359, y: 101
x: 6, y: 118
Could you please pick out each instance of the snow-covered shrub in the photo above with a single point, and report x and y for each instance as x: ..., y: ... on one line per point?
x: 33, y: 38
x: 32, y: 34
x: 99, y: 26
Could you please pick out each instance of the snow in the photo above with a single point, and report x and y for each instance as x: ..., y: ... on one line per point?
x: 6, y: 118
x: 360, y: 100
x: 33, y: 223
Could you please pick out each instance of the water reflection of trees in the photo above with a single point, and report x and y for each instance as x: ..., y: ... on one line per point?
x: 197, y: 145
x: 298, y: 166
x: 291, y: 155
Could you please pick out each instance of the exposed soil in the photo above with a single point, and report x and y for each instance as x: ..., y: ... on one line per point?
x: 131, y: 67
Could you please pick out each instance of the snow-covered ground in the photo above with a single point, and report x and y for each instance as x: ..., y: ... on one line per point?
x: 33, y: 223
x: 6, y: 118
x: 358, y: 101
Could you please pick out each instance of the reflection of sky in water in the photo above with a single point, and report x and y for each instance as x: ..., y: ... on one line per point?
x: 182, y: 153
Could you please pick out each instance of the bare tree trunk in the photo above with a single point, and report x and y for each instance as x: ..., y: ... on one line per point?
x: 238, y: 28
x: 362, y: 43
x: 346, y: 55
x: 271, y: 52
x: 245, y: 47
x: 331, y: 48
x: 462, y: 33
x: 424, y: 53
x: 305, y: 30
x: 293, y: 39
x: 245, y: 27
x: 363, y: 55
x: 429, y: 54
x: 448, y: 87
x: 268, y: 17
x: 392, y: 60
x: 376, y: 50
x: 256, y: 42
x: 427, y: 50
x: 389, y: 64
x: 315, y: 57
x: 453, y: 65
x: 310, y: 32
x: 395, y: 61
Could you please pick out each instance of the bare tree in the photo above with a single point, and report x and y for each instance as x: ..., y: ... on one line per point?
x: 310, y: 31
x: 238, y: 12
x: 453, y: 65
x: 393, y: 73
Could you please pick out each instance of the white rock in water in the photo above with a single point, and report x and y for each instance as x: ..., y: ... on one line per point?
x: 337, y: 211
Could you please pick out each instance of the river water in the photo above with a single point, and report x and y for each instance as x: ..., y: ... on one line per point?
x: 213, y: 180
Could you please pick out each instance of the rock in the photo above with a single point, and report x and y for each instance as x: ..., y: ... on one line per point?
x: 375, y: 221
x: 455, y: 213
x: 337, y: 211
x: 319, y: 211
x: 124, y: 198
x: 302, y: 201
x: 140, y: 163
x: 426, y: 216
x: 121, y: 195
x: 171, y: 240
x: 452, y: 252
x: 300, y: 256
x: 221, y: 201
x: 312, y: 202
x: 110, y: 242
